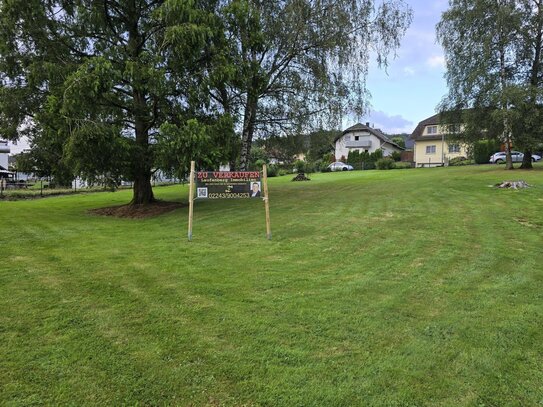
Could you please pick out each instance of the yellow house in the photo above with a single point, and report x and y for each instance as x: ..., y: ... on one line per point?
x: 432, y: 149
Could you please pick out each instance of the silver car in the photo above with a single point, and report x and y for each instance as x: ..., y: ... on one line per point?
x: 516, y: 156
x: 339, y: 166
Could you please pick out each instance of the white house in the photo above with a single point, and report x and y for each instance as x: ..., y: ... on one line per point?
x: 362, y: 138
x: 4, y: 154
x: 8, y: 151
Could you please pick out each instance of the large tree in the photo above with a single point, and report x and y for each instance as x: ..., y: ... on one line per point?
x: 492, y: 49
x: 105, y: 75
x: 295, y: 64
x: 531, y: 127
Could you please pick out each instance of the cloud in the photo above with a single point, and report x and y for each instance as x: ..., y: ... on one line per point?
x: 409, y: 71
x: 391, y: 124
x: 436, y: 61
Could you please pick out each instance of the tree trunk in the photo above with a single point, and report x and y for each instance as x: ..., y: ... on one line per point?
x: 508, y: 158
x: 527, y: 160
x: 249, y: 120
x: 141, y: 157
x: 143, y: 191
x: 505, y: 108
x: 534, y: 80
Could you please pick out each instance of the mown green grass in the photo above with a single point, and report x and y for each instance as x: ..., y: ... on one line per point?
x: 392, y: 288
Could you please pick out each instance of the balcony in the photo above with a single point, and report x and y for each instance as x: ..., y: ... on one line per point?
x: 358, y: 144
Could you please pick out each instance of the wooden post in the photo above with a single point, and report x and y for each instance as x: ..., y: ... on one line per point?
x: 266, y: 201
x: 191, y: 198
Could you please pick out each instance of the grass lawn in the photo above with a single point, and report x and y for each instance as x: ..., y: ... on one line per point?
x: 382, y: 288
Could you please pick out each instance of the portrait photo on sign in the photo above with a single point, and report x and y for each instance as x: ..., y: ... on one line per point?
x: 201, y: 192
x: 255, y: 189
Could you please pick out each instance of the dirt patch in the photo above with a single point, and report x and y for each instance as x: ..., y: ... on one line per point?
x: 138, y: 211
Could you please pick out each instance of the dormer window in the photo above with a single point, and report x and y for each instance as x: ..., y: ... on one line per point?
x: 431, y: 130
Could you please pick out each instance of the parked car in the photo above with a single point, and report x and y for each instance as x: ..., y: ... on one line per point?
x: 339, y: 166
x: 516, y: 156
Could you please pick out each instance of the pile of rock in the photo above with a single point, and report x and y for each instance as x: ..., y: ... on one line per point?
x: 301, y: 177
x: 513, y: 184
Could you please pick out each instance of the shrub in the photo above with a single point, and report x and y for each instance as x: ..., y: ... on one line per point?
x: 367, y: 165
x: 273, y: 170
x: 258, y: 156
x: 377, y: 155
x: 385, y: 163
x: 396, y: 156
x: 328, y: 158
x: 282, y: 172
x: 324, y: 168
x: 259, y: 163
x: 300, y: 166
x: 402, y: 165
x: 482, y: 150
x: 354, y: 159
x: 317, y: 165
x: 457, y: 161
x: 310, y: 167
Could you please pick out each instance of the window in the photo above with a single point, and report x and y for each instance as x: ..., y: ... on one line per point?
x: 431, y: 130
x: 431, y: 149
x: 356, y: 138
x: 454, y: 148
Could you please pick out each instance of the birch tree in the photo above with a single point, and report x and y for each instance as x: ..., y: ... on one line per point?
x: 297, y: 63
x: 493, y: 55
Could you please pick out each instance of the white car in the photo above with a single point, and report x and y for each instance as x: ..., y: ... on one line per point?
x: 516, y: 156
x: 339, y: 166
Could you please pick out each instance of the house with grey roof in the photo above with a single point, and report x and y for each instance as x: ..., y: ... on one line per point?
x: 363, y: 138
x: 432, y: 146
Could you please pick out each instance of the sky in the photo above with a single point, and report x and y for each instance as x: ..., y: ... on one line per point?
x: 414, y: 83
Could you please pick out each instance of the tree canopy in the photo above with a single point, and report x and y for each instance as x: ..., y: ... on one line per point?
x: 105, y: 76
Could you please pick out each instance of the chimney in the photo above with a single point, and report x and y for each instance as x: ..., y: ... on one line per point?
x: 367, y: 124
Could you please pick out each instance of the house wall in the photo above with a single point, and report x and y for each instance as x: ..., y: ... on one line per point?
x: 4, y: 153
x: 17, y: 147
x: 424, y: 158
x: 343, y: 150
x: 388, y: 149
